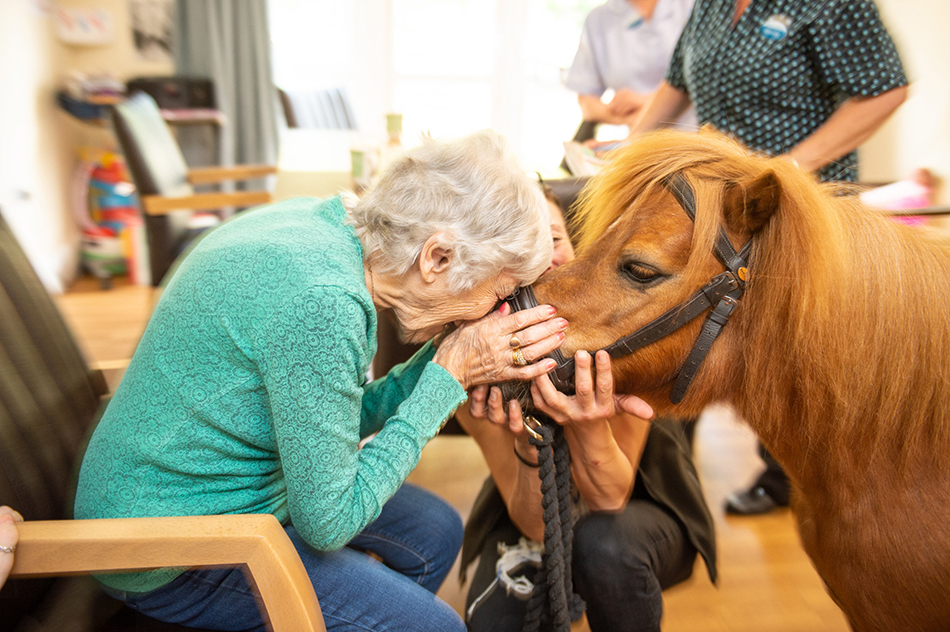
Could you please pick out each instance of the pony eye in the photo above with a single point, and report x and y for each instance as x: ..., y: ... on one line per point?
x: 639, y: 272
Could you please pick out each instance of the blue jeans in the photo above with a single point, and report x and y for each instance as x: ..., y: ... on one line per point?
x: 417, y: 535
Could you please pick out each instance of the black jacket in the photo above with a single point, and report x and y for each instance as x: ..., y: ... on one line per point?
x: 666, y: 476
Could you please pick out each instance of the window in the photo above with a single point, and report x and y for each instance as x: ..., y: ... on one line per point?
x: 311, y: 43
x: 450, y: 66
x: 443, y: 65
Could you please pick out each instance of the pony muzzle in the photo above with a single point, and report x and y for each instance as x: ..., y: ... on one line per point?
x: 563, y: 374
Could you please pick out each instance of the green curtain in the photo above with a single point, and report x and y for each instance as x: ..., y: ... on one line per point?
x: 228, y: 41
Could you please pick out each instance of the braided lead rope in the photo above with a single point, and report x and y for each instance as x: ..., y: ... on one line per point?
x: 535, y: 609
x: 549, y: 590
x: 562, y: 462
x: 555, y: 573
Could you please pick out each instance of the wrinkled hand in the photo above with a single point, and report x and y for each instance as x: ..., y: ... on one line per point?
x: 594, y: 398
x: 479, y: 352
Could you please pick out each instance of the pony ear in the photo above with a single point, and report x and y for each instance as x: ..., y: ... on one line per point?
x: 749, y: 204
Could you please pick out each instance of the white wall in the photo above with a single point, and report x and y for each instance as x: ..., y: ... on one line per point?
x: 918, y: 135
x: 33, y: 163
x: 37, y: 139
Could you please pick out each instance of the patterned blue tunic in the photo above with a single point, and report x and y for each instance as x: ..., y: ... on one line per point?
x: 785, y: 67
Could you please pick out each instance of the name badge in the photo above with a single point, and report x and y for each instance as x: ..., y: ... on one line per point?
x: 775, y: 28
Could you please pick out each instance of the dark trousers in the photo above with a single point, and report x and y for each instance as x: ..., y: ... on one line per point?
x: 621, y: 563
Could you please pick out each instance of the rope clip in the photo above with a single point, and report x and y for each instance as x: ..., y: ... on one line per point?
x: 532, y: 425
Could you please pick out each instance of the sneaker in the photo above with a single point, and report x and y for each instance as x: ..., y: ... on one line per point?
x: 752, y: 502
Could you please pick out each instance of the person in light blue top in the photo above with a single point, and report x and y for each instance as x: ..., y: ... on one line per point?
x: 626, y: 46
x: 248, y: 391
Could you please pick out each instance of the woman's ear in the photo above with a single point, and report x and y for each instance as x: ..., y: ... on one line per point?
x: 435, y: 257
x: 749, y: 204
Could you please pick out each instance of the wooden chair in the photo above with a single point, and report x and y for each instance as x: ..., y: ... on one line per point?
x: 50, y: 401
x: 165, y: 183
x: 257, y: 541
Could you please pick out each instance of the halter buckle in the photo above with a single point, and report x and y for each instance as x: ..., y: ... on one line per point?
x: 720, y: 285
x: 532, y: 425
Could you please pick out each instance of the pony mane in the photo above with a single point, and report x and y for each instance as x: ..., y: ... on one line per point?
x: 843, y: 327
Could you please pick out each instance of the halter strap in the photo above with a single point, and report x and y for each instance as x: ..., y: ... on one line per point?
x: 736, y: 266
x: 723, y: 249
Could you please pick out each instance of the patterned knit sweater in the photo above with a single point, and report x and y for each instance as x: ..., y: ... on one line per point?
x: 247, y: 392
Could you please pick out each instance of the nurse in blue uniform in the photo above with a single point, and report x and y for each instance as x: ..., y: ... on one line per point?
x: 810, y: 79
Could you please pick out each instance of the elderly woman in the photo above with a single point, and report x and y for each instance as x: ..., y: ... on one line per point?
x: 247, y: 393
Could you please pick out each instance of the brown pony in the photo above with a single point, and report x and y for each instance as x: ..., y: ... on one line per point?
x: 835, y: 354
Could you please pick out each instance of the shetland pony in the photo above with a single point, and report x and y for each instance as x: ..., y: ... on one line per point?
x: 835, y: 354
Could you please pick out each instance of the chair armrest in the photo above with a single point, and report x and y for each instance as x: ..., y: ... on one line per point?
x: 256, y: 540
x: 161, y: 205
x: 206, y: 175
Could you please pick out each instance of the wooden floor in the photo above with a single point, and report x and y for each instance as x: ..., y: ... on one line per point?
x: 765, y: 580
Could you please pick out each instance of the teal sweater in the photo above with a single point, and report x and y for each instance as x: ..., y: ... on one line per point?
x: 247, y: 392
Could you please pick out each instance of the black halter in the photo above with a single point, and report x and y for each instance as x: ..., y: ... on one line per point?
x: 722, y: 293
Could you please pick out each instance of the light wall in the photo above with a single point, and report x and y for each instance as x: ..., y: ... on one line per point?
x: 37, y: 139
x: 33, y: 165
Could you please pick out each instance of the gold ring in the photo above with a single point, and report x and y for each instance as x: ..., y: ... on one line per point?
x: 517, y: 355
x: 514, y: 342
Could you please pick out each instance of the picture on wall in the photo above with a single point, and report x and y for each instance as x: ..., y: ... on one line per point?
x: 152, y: 28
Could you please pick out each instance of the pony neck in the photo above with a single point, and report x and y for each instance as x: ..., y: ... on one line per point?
x: 844, y: 328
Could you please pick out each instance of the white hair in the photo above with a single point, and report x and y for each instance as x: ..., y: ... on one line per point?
x: 493, y: 215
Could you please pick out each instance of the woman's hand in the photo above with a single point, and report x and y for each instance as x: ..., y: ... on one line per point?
x: 594, y: 399
x: 9, y: 536
x: 488, y: 403
x: 603, y: 458
x: 489, y: 350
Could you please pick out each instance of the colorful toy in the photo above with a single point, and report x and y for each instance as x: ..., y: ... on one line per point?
x: 106, y: 207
